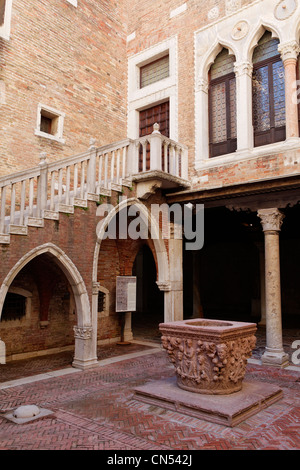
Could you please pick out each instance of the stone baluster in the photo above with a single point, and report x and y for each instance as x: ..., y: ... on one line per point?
x: 155, y: 149
x: 91, y: 175
x: 43, y: 184
x: 271, y: 220
x: 289, y: 55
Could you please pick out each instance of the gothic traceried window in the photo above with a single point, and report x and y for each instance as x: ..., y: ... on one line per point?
x: 268, y: 92
x: 222, y: 105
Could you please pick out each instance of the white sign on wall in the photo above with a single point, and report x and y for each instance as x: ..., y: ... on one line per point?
x: 126, y: 294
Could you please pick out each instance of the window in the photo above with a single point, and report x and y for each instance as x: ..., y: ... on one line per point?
x: 268, y: 92
x: 222, y: 105
x: 73, y: 2
x: 2, y: 11
x: 101, y: 301
x: 14, y: 307
x: 148, y: 117
x: 50, y: 123
x: 5, y: 18
x: 155, y: 71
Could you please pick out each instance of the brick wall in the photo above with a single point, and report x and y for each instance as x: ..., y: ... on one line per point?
x: 71, y: 59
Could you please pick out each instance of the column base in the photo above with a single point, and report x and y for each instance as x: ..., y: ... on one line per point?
x: 83, y: 365
x: 275, y: 358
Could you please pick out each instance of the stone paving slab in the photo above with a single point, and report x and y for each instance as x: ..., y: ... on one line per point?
x: 97, y: 410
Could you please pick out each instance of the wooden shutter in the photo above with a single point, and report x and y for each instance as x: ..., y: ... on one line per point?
x: 156, y: 114
x: 155, y: 71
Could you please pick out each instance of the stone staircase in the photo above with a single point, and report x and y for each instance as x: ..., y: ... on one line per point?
x: 29, y: 197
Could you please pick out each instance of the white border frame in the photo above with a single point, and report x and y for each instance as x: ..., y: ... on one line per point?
x: 158, y: 92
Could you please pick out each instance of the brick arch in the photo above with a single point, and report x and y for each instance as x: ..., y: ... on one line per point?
x: 85, y: 349
x: 161, y: 256
x: 68, y: 268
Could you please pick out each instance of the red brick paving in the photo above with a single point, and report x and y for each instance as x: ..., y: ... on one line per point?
x: 96, y: 410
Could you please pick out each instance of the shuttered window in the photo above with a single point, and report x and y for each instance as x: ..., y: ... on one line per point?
x: 222, y: 105
x: 268, y: 92
x: 154, y: 72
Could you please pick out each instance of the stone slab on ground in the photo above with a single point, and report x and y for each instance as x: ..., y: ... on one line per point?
x: 228, y: 410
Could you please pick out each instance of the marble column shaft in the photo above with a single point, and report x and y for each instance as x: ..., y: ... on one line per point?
x: 271, y: 220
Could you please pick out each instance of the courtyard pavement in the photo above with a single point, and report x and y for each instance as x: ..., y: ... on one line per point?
x: 97, y: 410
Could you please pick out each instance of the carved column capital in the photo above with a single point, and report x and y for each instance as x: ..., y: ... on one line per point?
x: 96, y: 287
x: 83, y: 332
x: 243, y: 68
x: 164, y: 286
x: 271, y: 219
x: 289, y: 50
x: 202, y: 85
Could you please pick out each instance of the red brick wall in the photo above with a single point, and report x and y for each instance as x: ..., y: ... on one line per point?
x: 71, y: 59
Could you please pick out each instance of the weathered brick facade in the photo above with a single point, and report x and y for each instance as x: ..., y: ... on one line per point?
x: 70, y: 59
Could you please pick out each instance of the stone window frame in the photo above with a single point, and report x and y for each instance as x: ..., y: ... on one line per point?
x: 156, y: 93
x: 5, y: 27
x: 208, y: 41
x: 73, y: 2
x: 105, y: 312
x: 55, y: 114
x: 28, y: 308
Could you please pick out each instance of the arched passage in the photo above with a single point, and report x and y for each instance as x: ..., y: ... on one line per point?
x: 123, y: 254
x: 57, y: 264
x: 150, y: 300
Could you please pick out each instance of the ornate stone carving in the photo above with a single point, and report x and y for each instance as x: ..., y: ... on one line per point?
x: 83, y: 332
x: 202, y: 85
x: 284, y: 9
x: 289, y: 50
x: 271, y: 219
x: 213, y: 14
x: 209, y: 356
x: 232, y: 5
x: 164, y: 286
x: 243, y: 68
x: 240, y: 30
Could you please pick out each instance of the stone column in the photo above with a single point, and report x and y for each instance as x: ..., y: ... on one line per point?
x: 261, y: 251
x: 2, y: 352
x: 271, y: 220
x: 202, y: 124
x: 243, y: 73
x: 289, y: 54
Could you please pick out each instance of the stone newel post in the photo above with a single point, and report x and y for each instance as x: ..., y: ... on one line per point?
x: 271, y: 220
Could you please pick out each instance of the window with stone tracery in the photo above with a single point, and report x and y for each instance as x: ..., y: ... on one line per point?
x: 268, y: 92
x: 222, y: 105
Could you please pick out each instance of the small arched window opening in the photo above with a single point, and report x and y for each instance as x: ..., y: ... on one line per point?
x: 222, y: 105
x: 268, y: 92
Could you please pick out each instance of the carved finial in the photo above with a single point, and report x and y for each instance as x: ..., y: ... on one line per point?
x: 43, y: 159
x: 156, y: 128
x: 92, y: 143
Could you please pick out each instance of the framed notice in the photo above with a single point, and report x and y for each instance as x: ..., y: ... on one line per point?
x: 126, y: 294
